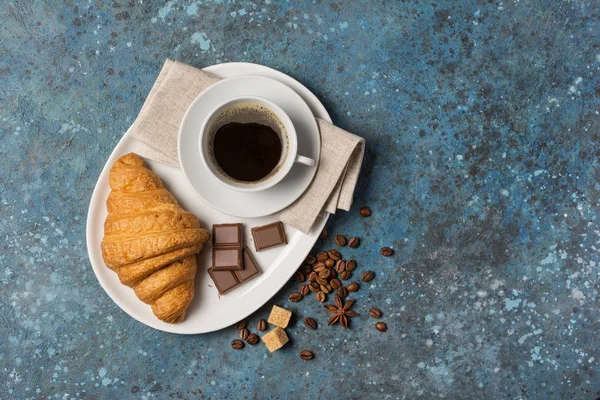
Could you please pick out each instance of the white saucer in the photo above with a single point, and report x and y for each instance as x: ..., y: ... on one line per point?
x: 248, y: 204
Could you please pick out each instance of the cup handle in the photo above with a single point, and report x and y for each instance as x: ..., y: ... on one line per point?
x: 304, y: 160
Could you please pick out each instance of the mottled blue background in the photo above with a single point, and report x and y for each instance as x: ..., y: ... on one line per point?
x: 482, y: 125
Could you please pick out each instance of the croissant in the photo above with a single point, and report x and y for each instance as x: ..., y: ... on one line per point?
x: 149, y: 240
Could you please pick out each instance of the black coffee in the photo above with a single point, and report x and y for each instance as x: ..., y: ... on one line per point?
x: 247, y: 152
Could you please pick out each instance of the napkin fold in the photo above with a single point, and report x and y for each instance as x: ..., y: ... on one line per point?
x: 178, y: 84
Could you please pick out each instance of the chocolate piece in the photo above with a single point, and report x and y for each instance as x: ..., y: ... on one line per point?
x: 268, y: 236
x: 250, y: 267
x: 227, y: 259
x: 224, y: 280
x: 227, y: 235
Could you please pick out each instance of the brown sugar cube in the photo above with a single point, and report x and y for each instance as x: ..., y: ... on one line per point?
x: 275, y: 339
x: 280, y: 317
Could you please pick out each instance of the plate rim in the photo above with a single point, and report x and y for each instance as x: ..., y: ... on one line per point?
x: 316, y: 107
x: 185, y: 134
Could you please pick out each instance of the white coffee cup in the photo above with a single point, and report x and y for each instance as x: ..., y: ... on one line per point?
x: 272, y: 116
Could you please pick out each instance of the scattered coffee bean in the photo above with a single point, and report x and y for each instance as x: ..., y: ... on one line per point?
x: 375, y: 313
x: 386, y: 251
x: 354, y: 242
x: 339, y: 240
x: 333, y: 274
x: 244, y: 334
x: 310, y: 259
x: 350, y: 265
x: 334, y: 254
x: 312, y: 276
x: 320, y: 266
x: 261, y: 325
x: 321, y: 297
x: 328, y: 286
x: 345, y: 275
x: 295, y: 297
x: 300, y: 277
x: 353, y: 287
x: 365, y: 212
x: 240, y: 325
x: 314, y: 287
x: 237, y: 344
x: 306, y: 269
x: 306, y: 355
x: 381, y: 326
x: 325, y: 273
x: 323, y: 234
x: 340, y: 266
x: 322, y: 256
x: 335, y: 283
x: 324, y: 289
x: 367, y: 276
x: 304, y: 290
x: 342, y: 292
x: 310, y: 323
x: 329, y: 263
x: 321, y: 281
x: 252, y: 339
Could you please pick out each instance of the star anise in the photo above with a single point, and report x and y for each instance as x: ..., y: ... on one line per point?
x: 340, y: 312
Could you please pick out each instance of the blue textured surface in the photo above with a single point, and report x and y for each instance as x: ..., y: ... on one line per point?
x: 482, y: 126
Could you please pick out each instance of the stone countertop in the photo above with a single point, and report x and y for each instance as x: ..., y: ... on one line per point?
x: 481, y: 120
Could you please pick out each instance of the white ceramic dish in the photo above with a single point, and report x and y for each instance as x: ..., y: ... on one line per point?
x: 228, y: 200
x: 207, y: 312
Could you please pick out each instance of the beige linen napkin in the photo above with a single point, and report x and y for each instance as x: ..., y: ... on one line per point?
x: 178, y: 84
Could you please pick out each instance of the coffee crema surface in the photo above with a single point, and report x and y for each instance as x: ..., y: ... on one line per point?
x: 247, y: 142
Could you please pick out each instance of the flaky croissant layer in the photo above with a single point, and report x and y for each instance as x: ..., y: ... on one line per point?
x: 149, y: 240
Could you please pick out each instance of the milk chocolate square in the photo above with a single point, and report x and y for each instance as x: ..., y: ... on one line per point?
x: 227, y: 259
x: 224, y: 280
x: 268, y: 236
x: 251, y: 268
x: 227, y: 235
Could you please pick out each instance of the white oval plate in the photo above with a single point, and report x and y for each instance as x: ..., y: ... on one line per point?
x: 243, y: 204
x: 207, y: 312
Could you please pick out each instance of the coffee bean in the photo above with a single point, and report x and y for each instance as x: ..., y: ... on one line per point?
x: 333, y: 253
x: 299, y: 277
x: 295, y: 297
x: 321, y: 297
x: 322, y: 256
x: 350, y: 265
x: 353, y: 287
x: 323, y: 234
x: 304, y: 290
x: 321, y: 281
x: 345, y: 275
x: 365, y: 212
x: 312, y: 276
x: 240, y: 325
x: 375, y: 313
x: 237, y: 344
x: 340, y: 266
x: 333, y: 274
x: 306, y: 355
x: 342, y: 292
x: 386, y: 251
x: 244, y: 334
x: 324, y: 289
x: 310, y: 323
x: 310, y: 259
x: 320, y: 266
x: 329, y: 263
x: 381, y: 326
x: 314, y: 287
x: 335, y: 283
x: 261, y: 325
x: 339, y: 240
x: 367, y: 276
x: 325, y: 273
x: 252, y: 339
x: 306, y: 269
x: 354, y: 242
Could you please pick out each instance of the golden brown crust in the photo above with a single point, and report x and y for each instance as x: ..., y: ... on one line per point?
x: 149, y: 240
